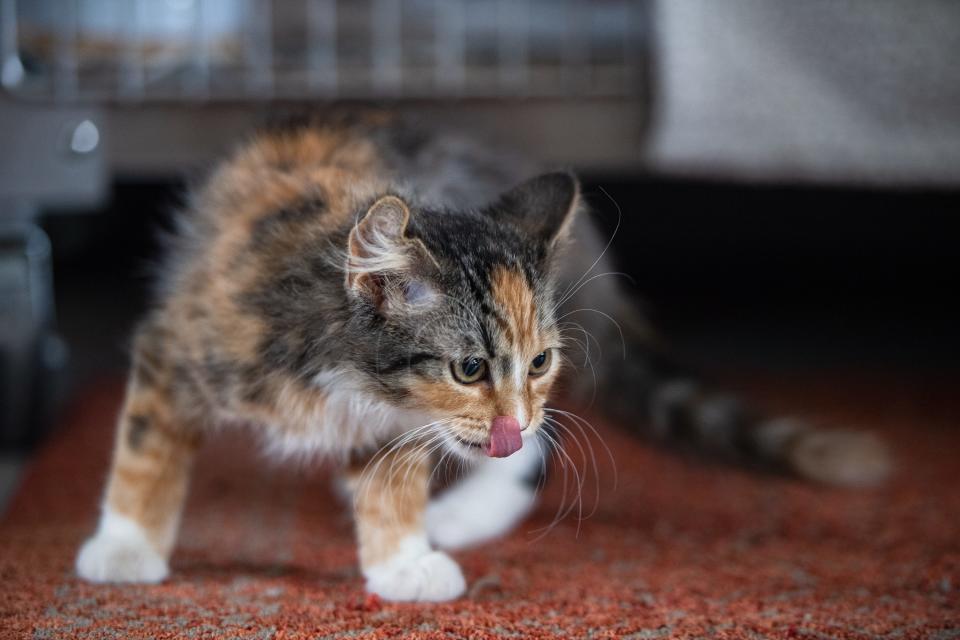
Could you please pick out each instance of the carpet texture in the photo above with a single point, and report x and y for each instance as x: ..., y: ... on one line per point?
x: 678, y: 549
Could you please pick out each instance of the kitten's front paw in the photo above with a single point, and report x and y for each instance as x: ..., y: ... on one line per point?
x: 467, y: 515
x: 106, y: 559
x: 120, y: 552
x: 449, y: 526
x: 430, y: 577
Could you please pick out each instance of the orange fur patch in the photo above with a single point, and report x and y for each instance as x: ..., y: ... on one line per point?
x: 515, y: 299
x: 390, y: 496
x: 151, y: 464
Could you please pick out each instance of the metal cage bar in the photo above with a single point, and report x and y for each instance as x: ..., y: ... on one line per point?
x: 255, y: 50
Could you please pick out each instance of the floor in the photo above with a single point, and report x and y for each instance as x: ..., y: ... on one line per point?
x: 11, y: 466
x: 675, y: 548
x: 845, y: 318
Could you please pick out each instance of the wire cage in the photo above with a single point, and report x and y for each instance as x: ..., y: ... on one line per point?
x: 69, y: 70
x: 255, y: 50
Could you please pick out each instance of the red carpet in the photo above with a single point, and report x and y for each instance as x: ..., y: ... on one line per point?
x: 680, y: 549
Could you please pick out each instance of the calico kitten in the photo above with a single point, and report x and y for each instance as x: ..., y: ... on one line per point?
x: 361, y: 290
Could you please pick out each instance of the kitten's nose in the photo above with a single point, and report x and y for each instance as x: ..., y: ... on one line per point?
x: 505, y: 437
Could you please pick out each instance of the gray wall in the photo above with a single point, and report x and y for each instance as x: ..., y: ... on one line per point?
x: 821, y: 90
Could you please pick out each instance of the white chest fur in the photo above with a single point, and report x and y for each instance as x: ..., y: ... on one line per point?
x: 347, y: 419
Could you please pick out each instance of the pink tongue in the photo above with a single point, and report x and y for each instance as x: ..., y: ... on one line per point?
x: 504, y: 437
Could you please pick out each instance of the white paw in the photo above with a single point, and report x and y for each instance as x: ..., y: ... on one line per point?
x: 448, y: 526
x: 106, y: 559
x: 432, y: 576
x: 477, y: 512
x: 120, y: 552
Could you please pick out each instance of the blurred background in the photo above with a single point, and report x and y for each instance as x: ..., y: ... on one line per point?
x: 786, y: 171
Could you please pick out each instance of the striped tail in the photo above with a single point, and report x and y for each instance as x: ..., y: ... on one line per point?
x: 650, y: 392
x: 676, y: 407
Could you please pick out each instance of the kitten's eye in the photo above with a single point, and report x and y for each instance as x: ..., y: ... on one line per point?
x: 469, y: 370
x: 540, y: 364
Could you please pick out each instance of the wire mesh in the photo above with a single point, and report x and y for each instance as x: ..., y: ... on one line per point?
x: 254, y: 50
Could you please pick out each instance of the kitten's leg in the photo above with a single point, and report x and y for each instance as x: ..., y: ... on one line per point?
x: 145, y: 492
x: 489, y: 502
x: 390, y: 496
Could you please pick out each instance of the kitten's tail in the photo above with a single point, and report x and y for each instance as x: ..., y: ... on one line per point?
x: 649, y: 392
x: 664, y: 402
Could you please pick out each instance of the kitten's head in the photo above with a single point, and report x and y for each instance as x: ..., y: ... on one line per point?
x: 461, y: 312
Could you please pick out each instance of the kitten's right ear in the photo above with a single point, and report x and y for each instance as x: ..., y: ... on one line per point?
x: 377, y: 246
x: 381, y: 258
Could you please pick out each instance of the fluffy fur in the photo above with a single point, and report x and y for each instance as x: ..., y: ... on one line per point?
x: 332, y: 287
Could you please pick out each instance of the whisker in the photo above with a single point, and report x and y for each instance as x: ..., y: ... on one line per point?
x: 593, y: 458
x: 563, y: 497
x: 623, y: 342
x: 424, y: 451
x: 565, y: 462
x: 606, y: 246
x: 366, y: 474
x: 585, y: 422
x: 585, y: 345
x: 583, y: 478
x: 406, y: 463
x: 570, y: 295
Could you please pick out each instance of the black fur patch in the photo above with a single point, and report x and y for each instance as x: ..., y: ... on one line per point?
x: 143, y: 372
x: 409, y: 362
x: 137, y: 428
x: 267, y: 227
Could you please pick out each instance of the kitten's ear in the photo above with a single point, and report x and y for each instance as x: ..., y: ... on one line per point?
x: 376, y: 244
x: 380, y: 257
x: 544, y: 206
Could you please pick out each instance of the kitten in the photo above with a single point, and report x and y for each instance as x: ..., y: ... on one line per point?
x: 357, y: 289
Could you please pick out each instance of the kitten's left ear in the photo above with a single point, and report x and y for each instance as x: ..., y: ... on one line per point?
x: 544, y: 206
